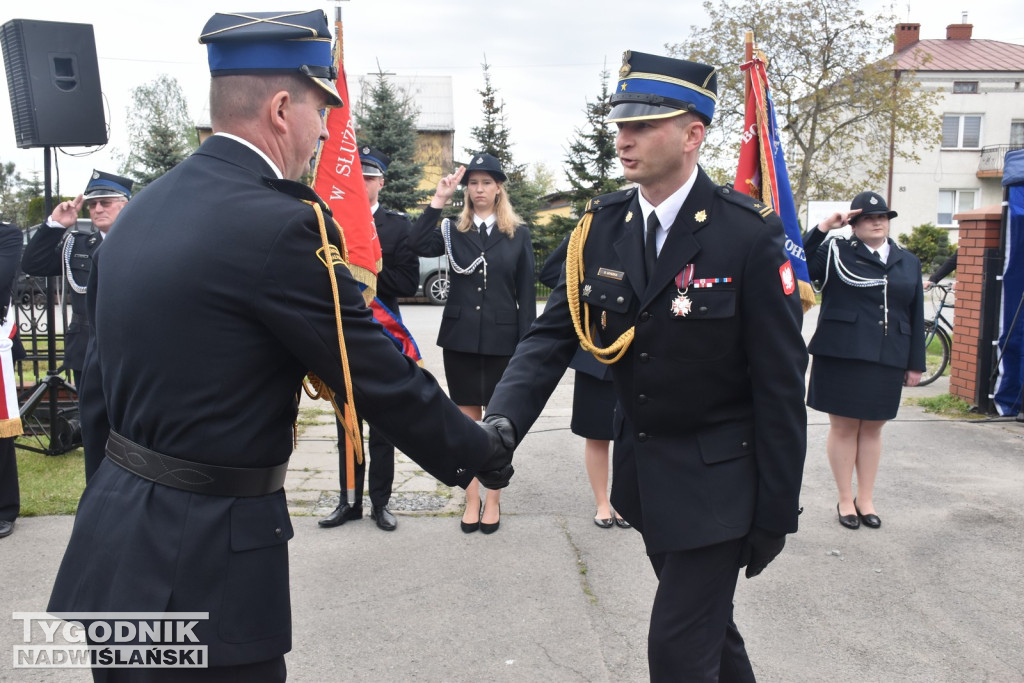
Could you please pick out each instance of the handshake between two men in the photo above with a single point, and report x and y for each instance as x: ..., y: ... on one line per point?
x: 496, y: 470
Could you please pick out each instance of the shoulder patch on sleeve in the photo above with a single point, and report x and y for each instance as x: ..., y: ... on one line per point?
x: 610, y: 199
x: 745, y: 201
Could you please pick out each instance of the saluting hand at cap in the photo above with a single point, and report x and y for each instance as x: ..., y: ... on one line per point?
x: 446, y: 187
x: 66, y: 213
x: 839, y: 219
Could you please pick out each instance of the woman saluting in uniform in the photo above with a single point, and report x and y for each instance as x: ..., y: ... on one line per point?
x: 491, y: 298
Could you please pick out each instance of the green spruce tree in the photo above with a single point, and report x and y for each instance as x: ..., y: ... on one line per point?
x: 493, y: 138
x: 591, y: 164
x: 386, y: 120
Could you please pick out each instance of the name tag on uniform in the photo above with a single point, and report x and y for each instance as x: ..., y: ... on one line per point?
x: 609, y: 273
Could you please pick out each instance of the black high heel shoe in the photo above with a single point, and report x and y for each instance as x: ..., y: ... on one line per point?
x: 491, y: 528
x: 849, y: 521
x: 468, y: 528
x: 871, y: 521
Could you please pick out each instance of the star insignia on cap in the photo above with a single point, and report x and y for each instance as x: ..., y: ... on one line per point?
x: 622, y: 86
x: 479, y: 160
x: 700, y: 216
x: 629, y: 216
x: 366, y: 150
x: 95, y: 175
x: 873, y: 201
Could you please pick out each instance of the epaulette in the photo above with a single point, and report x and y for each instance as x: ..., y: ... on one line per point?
x: 610, y: 199
x: 395, y: 213
x: 297, y: 190
x: 745, y: 201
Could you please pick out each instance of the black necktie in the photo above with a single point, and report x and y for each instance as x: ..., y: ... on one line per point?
x: 483, y: 231
x: 651, y: 244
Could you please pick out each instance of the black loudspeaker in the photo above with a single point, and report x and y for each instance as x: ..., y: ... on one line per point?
x: 54, y: 83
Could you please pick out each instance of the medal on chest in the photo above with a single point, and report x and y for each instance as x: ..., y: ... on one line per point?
x: 681, y: 304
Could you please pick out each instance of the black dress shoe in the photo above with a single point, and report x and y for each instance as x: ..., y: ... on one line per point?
x: 872, y: 521
x: 343, y: 513
x: 470, y: 527
x: 6, y: 528
x: 849, y: 521
x: 622, y: 524
x: 491, y: 528
x: 385, y: 520
x: 604, y: 523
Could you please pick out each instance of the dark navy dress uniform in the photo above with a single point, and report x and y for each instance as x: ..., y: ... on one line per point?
x: 710, y: 435
x: 232, y: 261
x: 10, y: 256
x: 487, y: 311
x: 593, y: 394
x: 860, y: 354
x: 45, y: 256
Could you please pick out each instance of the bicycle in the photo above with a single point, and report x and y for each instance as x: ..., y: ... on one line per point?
x: 938, y: 337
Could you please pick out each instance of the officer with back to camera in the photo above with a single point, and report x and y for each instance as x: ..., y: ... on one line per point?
x: 685, y: 288
x: 195, y: 406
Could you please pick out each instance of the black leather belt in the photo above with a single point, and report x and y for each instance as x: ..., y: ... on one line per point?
x: 195, y: 477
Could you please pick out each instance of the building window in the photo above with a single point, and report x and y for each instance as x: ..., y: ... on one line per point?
x: 961, y: 131
x: 952, y: 202
x: 1017, y: 134
x: 965, y: 86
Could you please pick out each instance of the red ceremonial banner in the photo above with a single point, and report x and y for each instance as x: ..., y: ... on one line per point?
x: 338, y: 179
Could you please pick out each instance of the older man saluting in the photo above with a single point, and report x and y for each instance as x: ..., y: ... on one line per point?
x: 222, y: 287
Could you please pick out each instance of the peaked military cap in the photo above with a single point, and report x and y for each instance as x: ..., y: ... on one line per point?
x: 486, y: 162
x: 103, y: 185
x: 870, y: 204
x: 272, y: 43
x: 654, y: 87
x: 375, y: 162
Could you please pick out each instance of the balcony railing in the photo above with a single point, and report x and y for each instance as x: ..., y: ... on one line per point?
x: 991, y: 163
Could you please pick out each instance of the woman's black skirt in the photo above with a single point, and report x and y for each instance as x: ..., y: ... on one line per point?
x: 593, y: 402
x: 472, y: 377
x: 854, y: 388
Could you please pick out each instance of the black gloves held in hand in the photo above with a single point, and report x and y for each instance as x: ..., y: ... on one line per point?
x: 496, y: 469
x: 759, y: 548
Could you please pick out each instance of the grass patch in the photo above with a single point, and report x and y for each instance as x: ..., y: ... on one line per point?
x: 50, y: 484
x: 947, y: 405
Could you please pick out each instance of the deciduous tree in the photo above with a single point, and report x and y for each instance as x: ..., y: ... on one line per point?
x: 160, y: 131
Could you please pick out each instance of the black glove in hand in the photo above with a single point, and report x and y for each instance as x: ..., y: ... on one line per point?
x: 759, y: 549
x: 496, y: 469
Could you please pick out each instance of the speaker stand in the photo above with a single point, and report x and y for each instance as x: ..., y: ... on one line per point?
x: 64, y: 432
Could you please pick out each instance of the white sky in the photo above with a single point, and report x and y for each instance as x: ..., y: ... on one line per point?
x: 545, y: 57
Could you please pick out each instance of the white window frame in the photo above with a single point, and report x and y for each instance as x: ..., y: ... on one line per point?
x: 1019, y: 124
x: 956, y: 194
x: 960, y: 130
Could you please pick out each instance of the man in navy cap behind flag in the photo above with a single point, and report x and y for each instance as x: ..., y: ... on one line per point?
x: 195, y: 406
x: 690, y: 297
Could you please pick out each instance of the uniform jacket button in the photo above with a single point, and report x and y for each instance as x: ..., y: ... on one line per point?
x: 642, y: 436
x: 645, y: 316
x: 644, y: 357
x: 881, y: 322
x: 703, y: 310
x: 278, y: 533
x: 604, y: 297
x: 620, y: 300
x: 478, y: 308
x: 641, y: 399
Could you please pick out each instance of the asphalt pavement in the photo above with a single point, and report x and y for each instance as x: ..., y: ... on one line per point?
x: 936, y: 594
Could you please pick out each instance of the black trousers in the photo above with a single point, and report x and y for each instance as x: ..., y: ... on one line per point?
x: 693, y: 636
x: 382, y: 468
x: 10, y: 494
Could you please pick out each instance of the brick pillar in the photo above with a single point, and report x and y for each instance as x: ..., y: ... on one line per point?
x: 979, y: 235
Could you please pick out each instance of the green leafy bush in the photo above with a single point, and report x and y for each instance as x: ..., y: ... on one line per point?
x: 929, y: 244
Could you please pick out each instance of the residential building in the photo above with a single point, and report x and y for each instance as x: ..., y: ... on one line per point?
x: 981, y: 105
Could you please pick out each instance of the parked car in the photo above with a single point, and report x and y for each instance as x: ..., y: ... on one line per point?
x: 434, y: 279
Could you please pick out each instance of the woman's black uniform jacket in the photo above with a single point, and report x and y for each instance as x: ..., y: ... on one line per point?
x: 482, y: 315
x: 851, y: 322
